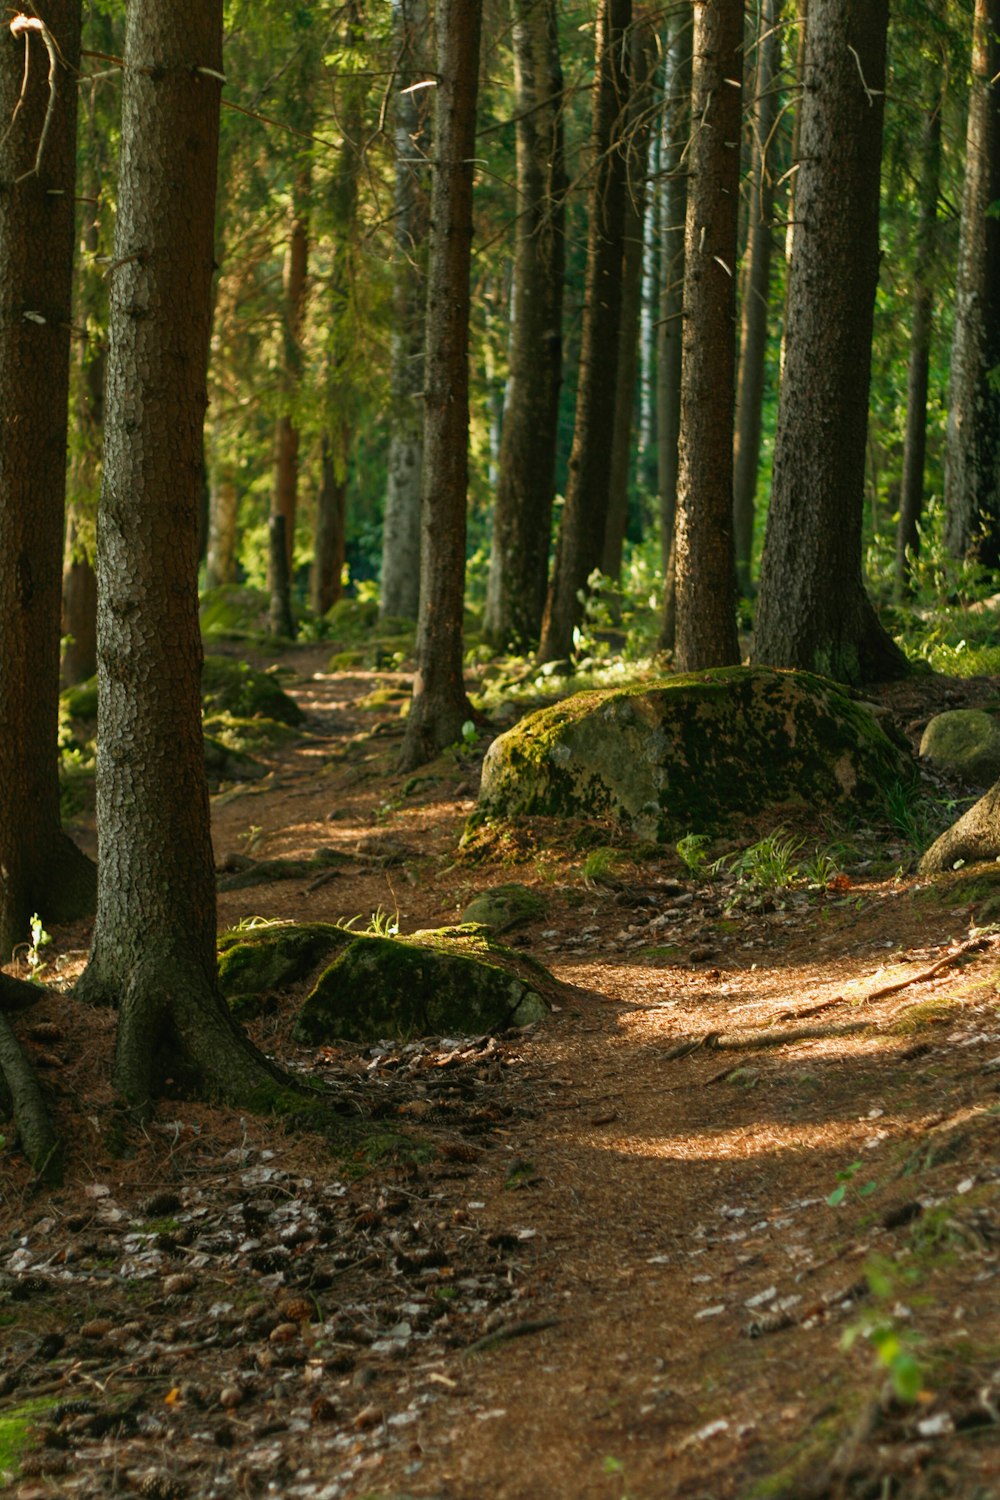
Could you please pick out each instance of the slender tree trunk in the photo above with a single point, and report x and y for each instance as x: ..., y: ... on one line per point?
x: 649, y: 316
x: 284, y: 498
x: 756, y: 291
x: 220, y: 565
x: 911, y: 499
x: 154, y: 941
x: 813, y: 611
x: 671, y: 331
x: 522, y: 518
x: 79, y: 608
x: 972, y: 454
x: 642, y: 65
x: 440, y: 705
x: 706, y: 577
x: 331, y: 516
x: 400, y: 596
x: 581, y: 532
x: 40, y: 868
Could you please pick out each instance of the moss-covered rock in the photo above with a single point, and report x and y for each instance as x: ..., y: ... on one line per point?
x: 387, y: 987
x: 223, y: 764
x: 80, y: 701
x: 234, y: 687
x: 504, y: 907
x: 233, y: 610
x: 684, y: 753
x: 965, y: 741
x: 256, y: 960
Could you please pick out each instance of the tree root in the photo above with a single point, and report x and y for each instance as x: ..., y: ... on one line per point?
x: 752, y: 1041
x: 974, y: 838
x: 39, y: 1141
x: 17, y: 994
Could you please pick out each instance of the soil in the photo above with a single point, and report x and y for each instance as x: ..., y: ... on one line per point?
x: 727, y: 1225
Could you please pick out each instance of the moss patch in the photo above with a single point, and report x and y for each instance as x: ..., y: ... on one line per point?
x: 504, y: 907
x: 234, y: 611
x: 256, y: 960
x: 688, y: 752
x: 236, y: 688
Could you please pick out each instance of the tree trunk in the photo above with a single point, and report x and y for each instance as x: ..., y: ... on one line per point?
x: 440, y: 706
x: 581, y: 532
x: 972, y: 455
x: 671, y: 330
x: 220, y: 565
x: 813, y: 611
x: 79, y: 608
x: 756, y: 291
x: 522, y: 518
x: 154, y: 952
x: 642, y: 65
x: 284, y: 498
x: 330, y: 536
x: 974, y: 838
x: 706, y: 576
x: 42, y: 870
x: 911, y: 499
x: 649, y: 315
x: 400, y: 596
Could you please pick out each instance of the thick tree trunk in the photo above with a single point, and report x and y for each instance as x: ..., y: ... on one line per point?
x: 706, y: 576
x: 581, y: 532
x: 642, y: 65
x: 400, y: 596
x: 40, y: 868
x: 154, y: 941
x: 440, y: 705
x: 330, y: 533
x: 671, y: 330
x: 972, y: 455
x: 813, y: 611
x: 756, y: 291
x: 911, y: 499
x: 522, y: 518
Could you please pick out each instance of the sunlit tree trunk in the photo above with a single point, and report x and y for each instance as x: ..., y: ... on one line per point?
x: 40, y: 868
x: 220, y: 564
x: 706, y: 578
x: 284, y: 497
x: 400, y: 595
x: 756, y: 290
x: 581, y: 531
x: 813, y: 612
x: 440, y: 705
x: 911, y: 499
x: 972, y: 455
x: 522, y: 518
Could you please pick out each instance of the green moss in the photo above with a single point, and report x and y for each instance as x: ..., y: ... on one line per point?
x: 80, y: 702
x: 504, y: 907
x: 247, y: 736
x: 255, y: 960
x: 382, y: 987
x: 233, y: 610
x: 16, y: 1433
x: 236, y: 688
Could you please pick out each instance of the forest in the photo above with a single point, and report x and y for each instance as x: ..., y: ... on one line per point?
x: 499, y: 547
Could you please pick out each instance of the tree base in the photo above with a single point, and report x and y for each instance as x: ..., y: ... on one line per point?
x: 972, y: 840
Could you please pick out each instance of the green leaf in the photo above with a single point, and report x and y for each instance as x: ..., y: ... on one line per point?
x: 838, y: 1195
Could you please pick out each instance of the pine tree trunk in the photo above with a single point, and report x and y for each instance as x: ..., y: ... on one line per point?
x: 911, y: 499
x: 649, y: 315
x: 79, y: 609
x: 706, y: 576
x: 581, y: 532
x: 42, y: 870
x: 400, y: 594
x: 153, y: 951
x: 756, y: 291
x: 972, y: 455
x: 813, y: 612
x: 330, y: 535
x: 642, y: 65
x: 284, y: 498
x: 671, y: 330
x: 522, y: 517
x: 440, y: 706
x: 220, y: 565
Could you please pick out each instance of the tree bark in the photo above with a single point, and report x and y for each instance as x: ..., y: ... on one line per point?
x: 522, y: 518
x: 400, y: 595
x: 284, y: 498
x: 154, y: 941
x: 42, y: 870
x: 972, y: 453
x: 440, y: 706
x: 756, y: 291
x: 706, y: 576
x: 975, y: 837
x: 813, y: 612
x: 581, y: 532
x: 911, y: 499
x: 642, y: 65
x: 220, y: 564
x: 671, y: 330
x: 330, y: 536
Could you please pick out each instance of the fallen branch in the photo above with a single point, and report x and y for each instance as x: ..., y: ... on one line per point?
x: 513, y: 1331
x: 39, y: 1141
x: 975, y: 945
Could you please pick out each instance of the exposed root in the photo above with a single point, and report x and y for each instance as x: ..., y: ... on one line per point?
x: 39, y: 1141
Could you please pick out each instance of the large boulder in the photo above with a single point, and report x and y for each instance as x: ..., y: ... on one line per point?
x: 683, y: 753
x: 965, y: 741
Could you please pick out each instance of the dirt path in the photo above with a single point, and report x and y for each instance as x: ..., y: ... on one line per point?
x: 596, y: 1259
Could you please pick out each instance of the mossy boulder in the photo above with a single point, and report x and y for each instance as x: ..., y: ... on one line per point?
x: 223, y: 764
x: 504, y: 907
x: 965, y: 741
x: 275, y: 955
x: 684, y: 753
x: 387, y: 987
x: 233, y: 610
x: 234, y: 687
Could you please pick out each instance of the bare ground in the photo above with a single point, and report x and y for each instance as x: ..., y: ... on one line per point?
x: 594, y: 1259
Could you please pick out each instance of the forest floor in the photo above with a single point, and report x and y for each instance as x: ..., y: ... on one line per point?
x: 727, y: 1225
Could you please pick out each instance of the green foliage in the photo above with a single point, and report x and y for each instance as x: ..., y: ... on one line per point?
x: 769, y: 865
x: 845, y: 1184
x: 691, y: 849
